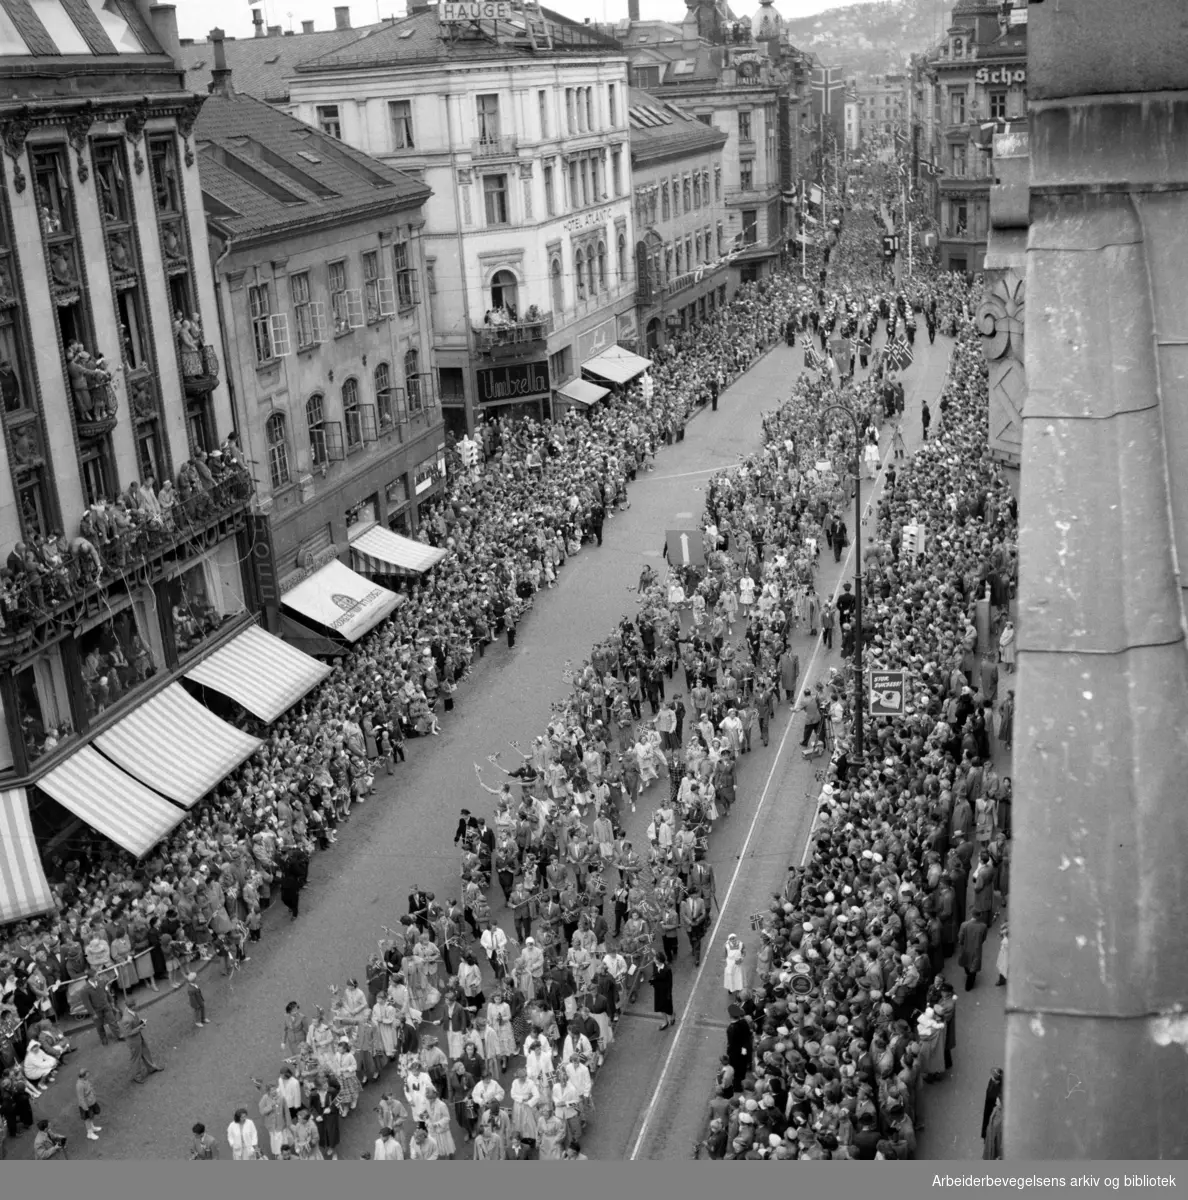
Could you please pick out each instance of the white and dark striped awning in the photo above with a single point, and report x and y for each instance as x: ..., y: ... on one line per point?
x: 24, y: 891
x: 264, y: 674
x: 176, y: 745
x: 111, y: 801
x: 379, y: 551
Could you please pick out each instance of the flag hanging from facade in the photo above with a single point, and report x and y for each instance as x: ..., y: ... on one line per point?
x: 828, y: 90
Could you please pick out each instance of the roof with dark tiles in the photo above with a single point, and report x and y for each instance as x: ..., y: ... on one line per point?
x: 265, y: 172
x: 661, y: 130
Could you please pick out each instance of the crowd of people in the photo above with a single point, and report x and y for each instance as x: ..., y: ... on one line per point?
x: 849, y: 1013
x: 544, y: 490
x: 593, y: 915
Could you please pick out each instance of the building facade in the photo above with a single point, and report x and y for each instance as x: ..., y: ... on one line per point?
x: 979, y: 80
x: 319, y: 272
x: 523, y: 138
x: 681, y: 265
x: 732, y: 84
x: 112, y: 384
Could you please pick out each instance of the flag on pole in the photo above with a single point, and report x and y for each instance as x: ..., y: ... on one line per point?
x: 828, y: 90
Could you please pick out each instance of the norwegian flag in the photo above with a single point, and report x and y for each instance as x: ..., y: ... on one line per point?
x: 899, y: 354
x: 828, y: 90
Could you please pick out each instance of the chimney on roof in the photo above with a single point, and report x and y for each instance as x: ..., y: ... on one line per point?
x: 163, y: 18
x: 258, y: 22
x: 342, y: 17
x: 275, y: 30
x: 307, y: 27
x: 632, y: 10
x: 220, y: 75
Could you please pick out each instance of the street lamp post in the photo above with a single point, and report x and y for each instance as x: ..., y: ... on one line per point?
x: 859, y: 682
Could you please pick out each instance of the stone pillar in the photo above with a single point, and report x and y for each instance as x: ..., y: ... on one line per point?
x: 1001, y: 314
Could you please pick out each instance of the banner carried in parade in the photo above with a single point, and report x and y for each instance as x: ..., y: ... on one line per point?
x: 899, y: 354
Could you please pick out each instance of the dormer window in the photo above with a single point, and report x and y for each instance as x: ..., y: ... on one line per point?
x: 958, y: 47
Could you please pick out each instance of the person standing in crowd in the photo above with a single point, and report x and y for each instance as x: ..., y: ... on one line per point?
x: 242, y: 1137
x: 203, y: 1147
x: 662, y: 990
x: 196, y: 999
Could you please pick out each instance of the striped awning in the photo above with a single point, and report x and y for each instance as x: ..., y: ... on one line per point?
x: 23, y: 887
x: 379, y: 551
x: 176, y: 745
x: 111, y: 801
x: 617, y: 364
x: 264, y: 674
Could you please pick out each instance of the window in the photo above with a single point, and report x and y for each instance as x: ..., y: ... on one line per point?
x: 570, y: 112
x: 495, y: 198
x: 957, y: 106
x: 504, y: 292
x: 315, y: 420
x: 557, y: 283
x: 166, y: 186
x: 998, y: 106
x: 133, y: 334
x: 721, y: 238
x: 400, y: 115
x: 687, y: 192
x: 617, y: 171
x: 383, y: 396
x: 602, y: 265
x: 407, y: 293
x: 412, y: 381
x: 960, y: 214
x: 573, y: 184
x: 584, y: 170
x: 487, y: 108
x: 327, y: 120
x: 680, y: 257
x: 339, y: 306
x: 746, y: 176
x: 705, y: 186
x: 371, y: 281
x: 260, y: 308
x: 550, y: 199
x: 750, y: 222
x: 699, y: 248
x: 579, y: 262
x: 589, y: 108
x: 113, y: 183
x: 351, y: 414
x: 706, y: 118
x: 664, y: 212
x: 542, y: 104
x: 622, y: 258
x: 302, y: 311
x: 612, y: 104
x: 148, y: 450
x: 278, y: 450
x: 96, y: 471
x: 645, y: 77
x: 717, y: 183
x: 559, y: 365
x: 696, y: 189
x: 597, y: 184
x: 744, y: 126
x: 957, y: 159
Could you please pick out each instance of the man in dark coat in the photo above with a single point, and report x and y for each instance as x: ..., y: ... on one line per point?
x: 662, y: 990
x: 970, y: 938
x: 739, y: 1041
x: 993, y: 1092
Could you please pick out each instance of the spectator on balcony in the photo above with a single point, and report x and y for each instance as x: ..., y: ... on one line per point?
x: 166, y: 502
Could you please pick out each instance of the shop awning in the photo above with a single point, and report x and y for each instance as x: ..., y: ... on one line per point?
x: 23, y: 887
x: 379, y: 551
x: 582, y: 391
x: 342, y: 601
x: 264, y: 674
x: 617, y: 365
x: 176, y: 745
x: 111, y: 801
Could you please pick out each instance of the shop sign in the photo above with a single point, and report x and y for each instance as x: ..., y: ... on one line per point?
x: 458, y: 12
x: 515, y: 381
x: 1005, y: 75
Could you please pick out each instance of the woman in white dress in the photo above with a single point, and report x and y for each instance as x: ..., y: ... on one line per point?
x: 499, y: 1019
x: 538, y: 1061
x: 525, y: 1096
x: 746, y: 594
x: 384, y: 1016
x: 1006, y: 646
x: 735, y: 978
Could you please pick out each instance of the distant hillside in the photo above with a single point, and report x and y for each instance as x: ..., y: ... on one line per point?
x: 868, y: 39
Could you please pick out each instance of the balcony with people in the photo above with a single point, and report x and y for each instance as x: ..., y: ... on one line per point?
x: 50, y: 582
x: 505, y: 330
x: 199, y: 362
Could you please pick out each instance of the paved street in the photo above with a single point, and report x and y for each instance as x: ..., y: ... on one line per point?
x: 403, y: 836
